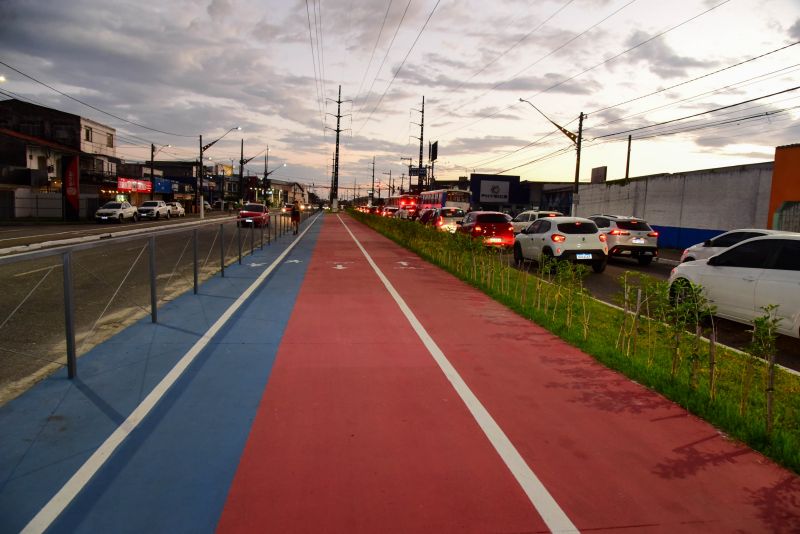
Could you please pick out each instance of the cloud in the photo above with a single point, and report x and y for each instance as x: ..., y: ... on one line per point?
x: 219, y: 9
x: 660, y: 59
x: 794, y: 31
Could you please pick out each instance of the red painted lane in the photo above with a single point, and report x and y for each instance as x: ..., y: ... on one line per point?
x: 614, y: 455
x: 358, y: 430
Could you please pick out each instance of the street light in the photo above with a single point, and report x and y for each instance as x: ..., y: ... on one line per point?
x: 201, y: 173
x: 576, y: 139
x: 153, y: 153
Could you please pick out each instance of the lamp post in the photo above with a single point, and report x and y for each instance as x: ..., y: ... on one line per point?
x: 201, y: 173
x: 153, y: 153
x: 576, y: 139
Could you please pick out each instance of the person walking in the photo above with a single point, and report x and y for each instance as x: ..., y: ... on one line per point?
x: 295, y: 217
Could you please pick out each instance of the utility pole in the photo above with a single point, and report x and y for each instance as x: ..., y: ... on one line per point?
x: 241, y: 174
x: 575, y: 197
x: 402, y: 180
x: 335, y: 184
x: 410, y: 161
x: 628, y: 160
x: 421, y: 134
x: 391, y: 185
x: 372, y: 189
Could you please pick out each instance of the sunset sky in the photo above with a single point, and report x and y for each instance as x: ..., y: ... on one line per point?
x: 180, y: 68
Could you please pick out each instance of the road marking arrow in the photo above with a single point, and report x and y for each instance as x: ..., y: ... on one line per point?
x: 253, y: 264
x: 294, y: 261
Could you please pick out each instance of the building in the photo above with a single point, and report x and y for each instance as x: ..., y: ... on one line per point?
x: 52, y: 163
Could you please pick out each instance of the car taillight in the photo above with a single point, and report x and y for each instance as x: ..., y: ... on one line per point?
x: 617, y: 231
x: 653, y: 234
x: 511, y: 228
x: 603, y: 238
x: 439, y: 222
x: 478, y: 229
x: 558, y: 238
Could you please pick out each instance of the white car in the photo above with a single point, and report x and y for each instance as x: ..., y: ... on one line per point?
x: 628, y: 237
x: 154, y: 209
x: 116, y: 212
x: 564, y: 238
x: 176, y: 209
x: 748, y: 276
x: 526, y: 218
x: 715, y: 245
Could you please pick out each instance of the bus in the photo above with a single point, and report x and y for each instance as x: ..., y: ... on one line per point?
x: 445, y: 198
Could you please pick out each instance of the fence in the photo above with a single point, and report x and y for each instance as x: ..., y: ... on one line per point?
x: 48, y: 319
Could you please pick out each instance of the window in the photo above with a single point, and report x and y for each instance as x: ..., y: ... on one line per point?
x: 754, y: 255
x: 577, y: 228
x: 633, y: 225
x: 788, y: 256
x: 728, y: 240
x: 110, y: 140
x: 523, y: 217
x: 87, y: 134
x: 493, y: 218
x: 601, y: 222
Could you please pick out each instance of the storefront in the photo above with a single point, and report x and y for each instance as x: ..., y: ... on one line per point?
x: 137, y: 191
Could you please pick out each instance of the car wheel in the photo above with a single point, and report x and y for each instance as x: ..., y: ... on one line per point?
x: 121, y: 218
x: 168, y: 214
x: 645, y: 260
x: 135, y: 217
x: 599, y: 266
x: 518, y: 258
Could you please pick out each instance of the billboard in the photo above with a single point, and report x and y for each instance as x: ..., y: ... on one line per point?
x: 131, y: 185
x: 494, y: 191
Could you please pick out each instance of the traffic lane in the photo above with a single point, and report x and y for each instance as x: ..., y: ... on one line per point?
x: 111, y: 290
x: 40, y: 233
x: 358, y: 430
x: 613, y: 454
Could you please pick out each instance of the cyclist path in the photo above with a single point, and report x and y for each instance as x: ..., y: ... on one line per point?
x: 357, y: 388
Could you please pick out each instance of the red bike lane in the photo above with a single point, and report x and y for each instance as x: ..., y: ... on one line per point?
x: 360, y: 430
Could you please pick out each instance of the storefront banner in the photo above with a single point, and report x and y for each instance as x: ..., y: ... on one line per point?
x: 496, y: 192
x: 130, y: 185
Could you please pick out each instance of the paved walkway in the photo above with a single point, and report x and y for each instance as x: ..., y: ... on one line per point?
x: 337, y: 383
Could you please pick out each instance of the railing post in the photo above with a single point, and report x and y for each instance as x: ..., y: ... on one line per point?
x: 153, y: 287
x: 262, y: 236
x: 222, y: 249
x: 69, y: 315
x: 194, y: 256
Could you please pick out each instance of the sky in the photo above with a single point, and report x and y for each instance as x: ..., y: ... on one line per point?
x: 172, y: 70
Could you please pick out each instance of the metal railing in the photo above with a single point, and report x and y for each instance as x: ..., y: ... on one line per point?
x: 106, y: 285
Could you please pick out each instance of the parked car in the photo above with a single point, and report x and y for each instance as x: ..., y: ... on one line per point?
x: 526, y: 218
x: 253, y: 214
x: 447, y: 219
x: 741, y: 280
x: 715, y: 245
x: 154, y: 209
x: 176, y: 209
x: 628, y: 237
x: 573, y: 239
x: 493, y: 227
x: 116, y: 212
x: 286, y: 210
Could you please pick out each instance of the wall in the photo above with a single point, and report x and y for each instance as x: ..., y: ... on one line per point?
x: 785, y: 180
x: 688, y: 207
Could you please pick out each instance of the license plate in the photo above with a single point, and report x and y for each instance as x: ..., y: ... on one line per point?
x: 248, y: 220
x: 103, y: 217
x: 637, y: 240
x: 583, y: 256
x: 494, y: 240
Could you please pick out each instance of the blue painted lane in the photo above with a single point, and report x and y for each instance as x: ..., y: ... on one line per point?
x: 173, y: 472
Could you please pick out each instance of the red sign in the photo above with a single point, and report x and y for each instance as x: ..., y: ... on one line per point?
x: 134, y: 186
x: 71, y: 187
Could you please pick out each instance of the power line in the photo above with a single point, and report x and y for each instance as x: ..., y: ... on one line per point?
x: 401, y: 64
x: 697, y: 114
x: 377, y: 72
x: 314, y: 62
x: 91, y: 106
x: 372, y: 55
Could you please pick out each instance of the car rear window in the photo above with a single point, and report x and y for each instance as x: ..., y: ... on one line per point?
x: 633, y: 225
x: 451, y: 212
x: 492, y: 218
x: 253, y: 207
x: 577, y: 227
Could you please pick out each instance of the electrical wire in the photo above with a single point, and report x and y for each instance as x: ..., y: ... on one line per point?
x: 91, y: 106
x: 372, y: 55
x: 401, y: 65
x: 314, y: 62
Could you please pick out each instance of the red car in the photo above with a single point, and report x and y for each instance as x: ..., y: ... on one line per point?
x: 253, y: 214
x: 492, y: 226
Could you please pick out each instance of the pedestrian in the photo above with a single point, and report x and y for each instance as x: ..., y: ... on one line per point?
x: 295, y: 217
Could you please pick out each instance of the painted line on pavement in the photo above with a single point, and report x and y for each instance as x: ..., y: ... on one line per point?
x: 552, y: 514
x: 56, y: 505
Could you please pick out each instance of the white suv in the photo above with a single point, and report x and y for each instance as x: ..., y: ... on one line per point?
x: 154, y: 209
x: 116, y: 212
x: 526, y: 218
x: 628, y: 237
x: 564, y: 238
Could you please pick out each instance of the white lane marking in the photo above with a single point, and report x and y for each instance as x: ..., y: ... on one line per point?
x: 547, y: 507
x: 56, y: 505
x: 340, y: 267
x: 294, y: 261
